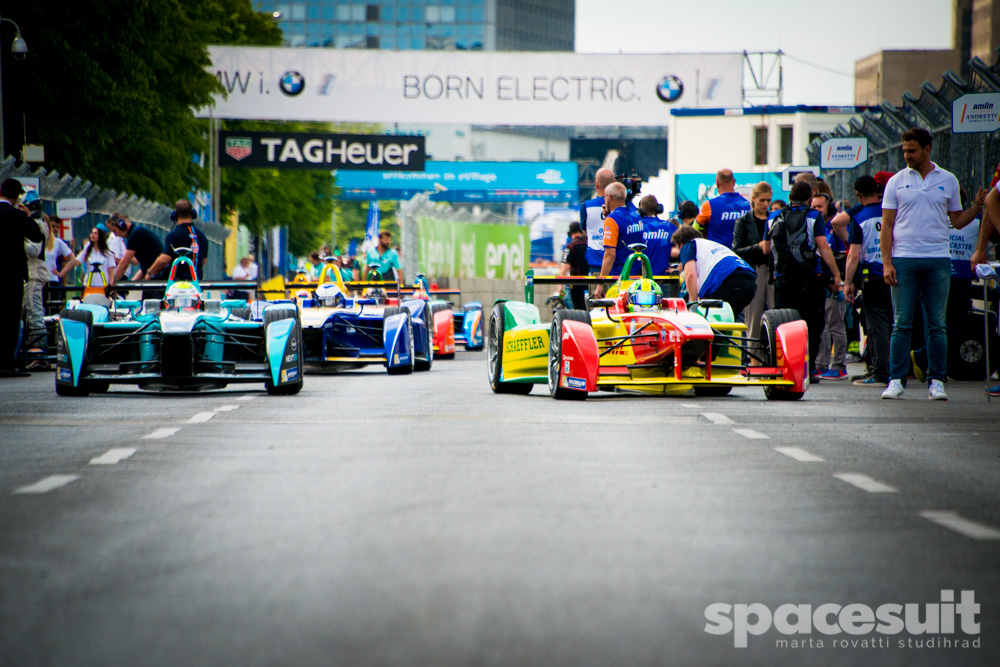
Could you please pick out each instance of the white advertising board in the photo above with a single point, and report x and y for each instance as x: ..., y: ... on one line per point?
x: 843, y: 153
x: 976, y: 112
x: 484, y: 88
x: 789, y: 174
x: 71, y: 208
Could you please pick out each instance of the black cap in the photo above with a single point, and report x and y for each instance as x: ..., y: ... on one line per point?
x: 575, y: 228
x: 11, y: 188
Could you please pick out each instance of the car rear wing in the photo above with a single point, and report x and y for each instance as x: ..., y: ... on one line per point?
x: 159, y: 286
x: 670, y: 283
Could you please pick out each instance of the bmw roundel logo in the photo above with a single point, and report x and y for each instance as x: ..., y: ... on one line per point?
x: 669, y: 89
x: 292, y: 83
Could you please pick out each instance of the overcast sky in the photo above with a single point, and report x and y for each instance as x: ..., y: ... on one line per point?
x: 830, y: 34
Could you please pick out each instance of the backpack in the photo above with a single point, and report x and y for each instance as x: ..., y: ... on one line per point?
x: 794, y: 252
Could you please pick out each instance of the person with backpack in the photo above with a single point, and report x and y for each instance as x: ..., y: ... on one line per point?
x: 796, y: 236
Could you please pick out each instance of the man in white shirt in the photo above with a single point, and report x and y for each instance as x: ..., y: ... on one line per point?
x: 919, y: 201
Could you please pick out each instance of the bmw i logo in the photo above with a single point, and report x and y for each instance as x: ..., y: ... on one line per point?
x: 292, y: 83
x: 669, y: 89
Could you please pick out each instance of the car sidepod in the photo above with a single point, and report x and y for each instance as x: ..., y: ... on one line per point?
x: 471, y: 326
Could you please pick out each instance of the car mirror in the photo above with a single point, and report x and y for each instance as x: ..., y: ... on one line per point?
x: 230, y: 304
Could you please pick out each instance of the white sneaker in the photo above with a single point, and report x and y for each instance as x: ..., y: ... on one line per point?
x: 894, y: 390
x: 935, y: 391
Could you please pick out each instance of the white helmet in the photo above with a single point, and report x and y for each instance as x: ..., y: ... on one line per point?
x: 329, y: 295
x: 183, y: 295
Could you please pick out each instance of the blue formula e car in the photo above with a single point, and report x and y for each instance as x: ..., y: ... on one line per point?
x: 183, y: 342
x: 344, y: 333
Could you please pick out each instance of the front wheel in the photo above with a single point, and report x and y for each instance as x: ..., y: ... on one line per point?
x: 275, y: 315
x: 555, y: 354
x: 769, y: 323
x: 494, y: 356
x: 429, y: 313
x: 408, y: 324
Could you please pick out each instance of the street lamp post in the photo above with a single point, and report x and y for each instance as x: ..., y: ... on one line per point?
x: 19, y: 48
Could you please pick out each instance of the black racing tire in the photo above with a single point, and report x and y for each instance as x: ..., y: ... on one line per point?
x: 429, y: 312
x: 769, y: 323
x: 555, y: 353
x: 967, y: 357
x: 242, y: 313
x: 87, y: 317
x: 276, y: 315
x: 494, y: 356
x: 402, y: 370
x: 712, y: 391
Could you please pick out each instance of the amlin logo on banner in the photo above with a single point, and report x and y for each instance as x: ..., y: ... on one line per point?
x: 843, y: 153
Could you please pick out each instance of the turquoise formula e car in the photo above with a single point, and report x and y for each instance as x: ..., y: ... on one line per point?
x: 183, y: 342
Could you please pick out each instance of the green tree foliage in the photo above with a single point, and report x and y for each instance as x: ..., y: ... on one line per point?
x: 109, y: 86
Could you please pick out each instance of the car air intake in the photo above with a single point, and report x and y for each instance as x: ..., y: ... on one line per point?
x: 177, y: 355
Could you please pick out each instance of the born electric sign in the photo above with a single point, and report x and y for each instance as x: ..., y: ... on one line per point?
x: 305, y: 150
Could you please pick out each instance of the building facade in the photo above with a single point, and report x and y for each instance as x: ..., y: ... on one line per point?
x: 488, y: 25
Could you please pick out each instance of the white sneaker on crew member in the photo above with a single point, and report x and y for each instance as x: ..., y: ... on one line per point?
x: 935, y: 391
x: 894, y: 390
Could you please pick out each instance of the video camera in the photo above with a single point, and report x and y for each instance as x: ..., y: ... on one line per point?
x: 633, y: 184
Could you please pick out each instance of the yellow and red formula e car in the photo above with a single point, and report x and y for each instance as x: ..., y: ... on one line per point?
x: 664, y: 347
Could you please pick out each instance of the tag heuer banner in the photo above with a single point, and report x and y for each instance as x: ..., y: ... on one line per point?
x: 483, y: 88
x: 304, y: 150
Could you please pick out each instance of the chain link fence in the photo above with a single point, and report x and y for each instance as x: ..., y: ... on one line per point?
x: 101, y: 203
x: 971, y: 157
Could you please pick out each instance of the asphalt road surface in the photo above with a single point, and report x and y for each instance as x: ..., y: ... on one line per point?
x: 422, y: 520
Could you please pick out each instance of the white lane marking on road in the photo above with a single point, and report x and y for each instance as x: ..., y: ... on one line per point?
x: 201, y: 417
x: 693, y: 406
x: 865, y: 483
x: 112, y: 457
x: 967, y: 527
x: 799, y: 454
x: 161, y: 433
x: 717, y: 418
x: 750, y: 433
x: 48, y: 484
x: 227, y: 408
x: 246, y: 398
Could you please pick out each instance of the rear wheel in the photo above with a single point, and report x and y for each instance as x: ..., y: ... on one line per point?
x: 276, y: 315
x: 408, y: 324
x: 555, y: 353
x: 769, y: 323
x: 242, y: 313
x: 494, y: 356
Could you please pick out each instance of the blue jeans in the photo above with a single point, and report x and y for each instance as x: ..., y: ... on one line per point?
x: 923, y: 281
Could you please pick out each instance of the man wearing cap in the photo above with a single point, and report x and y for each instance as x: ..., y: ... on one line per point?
x: 15, y: 228
x: 141, y: 245
x: 574, y: 263
x: 183, y: 235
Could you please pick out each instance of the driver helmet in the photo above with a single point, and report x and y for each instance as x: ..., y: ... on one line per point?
x: 644, y: 294
x: 183, y: 295
x: 329, y: 295
x: 376, y: 293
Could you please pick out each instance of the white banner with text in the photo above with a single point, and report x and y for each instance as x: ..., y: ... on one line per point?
x: 462, y: 87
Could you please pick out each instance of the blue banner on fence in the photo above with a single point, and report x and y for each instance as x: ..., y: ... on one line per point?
x: 466, y: 181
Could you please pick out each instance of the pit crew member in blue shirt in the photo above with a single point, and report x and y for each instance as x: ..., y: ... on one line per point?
x: 713, y: 271
x: 719, y: 214
x: 592, y: 220
x: 621, y: 229
x: 657, y: 234
x: 865, y: 251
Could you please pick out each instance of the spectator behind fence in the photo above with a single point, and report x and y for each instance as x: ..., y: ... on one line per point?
x: 747, y: 237
x: 719, y: 214
x: 56, y: 250
x: 796, y: 236
x: 15, y: 228
x: 96, y: 259
x: 916, y: 208
x: 876, y: 305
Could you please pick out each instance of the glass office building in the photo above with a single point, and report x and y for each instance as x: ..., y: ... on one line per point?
x: 488, y: 25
